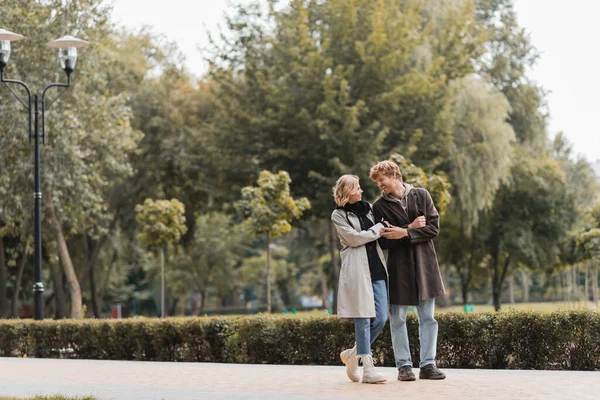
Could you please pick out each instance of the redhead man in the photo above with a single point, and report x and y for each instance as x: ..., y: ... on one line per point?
x: 414, y: 272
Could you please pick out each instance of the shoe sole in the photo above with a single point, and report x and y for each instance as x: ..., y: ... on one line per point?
x: 382, y: 381
x: 411, y: 379
x: 344, y: 360
x: 439, y: 378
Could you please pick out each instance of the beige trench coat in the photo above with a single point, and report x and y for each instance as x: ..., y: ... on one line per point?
x: 355, y: 290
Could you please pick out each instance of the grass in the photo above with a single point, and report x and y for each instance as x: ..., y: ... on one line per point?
x: 58, y: 397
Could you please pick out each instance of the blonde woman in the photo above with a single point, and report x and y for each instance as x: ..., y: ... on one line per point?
x: 362, y: 294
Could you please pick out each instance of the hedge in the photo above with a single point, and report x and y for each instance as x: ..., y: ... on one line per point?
x: 568, y: 340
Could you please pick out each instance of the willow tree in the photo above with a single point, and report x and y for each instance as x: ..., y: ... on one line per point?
x: 479, y: 161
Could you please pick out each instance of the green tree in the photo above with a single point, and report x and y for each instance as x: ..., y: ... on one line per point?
x: 510, y: 55
x: 283, y: 285
x: 212, y: 255
x: 89, y: 135
x: 270, y: 210
x: 320, y: 89
x: 161, y: 223
x: 586, y: 244
x: 528, y: 220
x: 478, y: 162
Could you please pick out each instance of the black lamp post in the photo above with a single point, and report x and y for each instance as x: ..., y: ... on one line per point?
x: 67, y: 54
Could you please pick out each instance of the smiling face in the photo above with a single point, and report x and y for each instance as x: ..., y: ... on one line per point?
x: 388, y: 177
x: 355, y: 194
x: 386, y: 183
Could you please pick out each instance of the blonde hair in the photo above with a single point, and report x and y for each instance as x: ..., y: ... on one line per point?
x: 344, y: 185
x: 386, y: 168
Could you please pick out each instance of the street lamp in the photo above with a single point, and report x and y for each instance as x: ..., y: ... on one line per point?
x: 67, y: 54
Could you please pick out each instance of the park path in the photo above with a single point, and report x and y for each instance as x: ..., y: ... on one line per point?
x: 129, y: 380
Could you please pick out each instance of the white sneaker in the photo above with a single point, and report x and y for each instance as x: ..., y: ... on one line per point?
x: 369, y: 373
x: 351, y: 362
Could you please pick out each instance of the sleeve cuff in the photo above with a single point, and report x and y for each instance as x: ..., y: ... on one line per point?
x: 379, y: 226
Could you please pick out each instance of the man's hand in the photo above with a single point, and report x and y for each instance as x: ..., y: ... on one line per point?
x: 419, y: 222
x: 394, y: 233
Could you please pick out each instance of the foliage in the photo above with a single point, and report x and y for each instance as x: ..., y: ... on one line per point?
x: 269, y: 206
x: 214, y: 252
x: 587, y: 242
x: 437, y: 185
x: 270, y: 209
x: 315, y: 88
x: 567, y: 340
x: 334, y: 86
x: 529, y: 218
x: 160, y: 222
x: 481, y: 153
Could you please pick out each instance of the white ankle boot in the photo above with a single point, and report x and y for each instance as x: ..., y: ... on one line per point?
x: 351, y: 362
x: 369, y: 373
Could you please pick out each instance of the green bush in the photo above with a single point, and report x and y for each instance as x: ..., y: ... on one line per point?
x: 567, y: 340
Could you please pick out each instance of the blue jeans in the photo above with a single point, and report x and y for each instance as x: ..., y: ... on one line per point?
x: 367, y: 329
x: 428, y: 331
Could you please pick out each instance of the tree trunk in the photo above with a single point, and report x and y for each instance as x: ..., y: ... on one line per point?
x: 19, y: 278
x: 511, y: 289
x: 202, y: 301
x: 595, y: 286
x: 173, y: 306
x: 334, y: 265
x: 325, y: 291
x: 575, y: 287
x: 172, y: 309
x: 586, y: 288
x: 162, y: 281
x: 464, y: 291
x: 494, y: 276
x: 268, y: 274
x: 59, y: 294
x: 498, y: 277
x: 497, y: 303
x: 569, y: 281
x: 3, y: 278
x: 94, y: 292
x: 559, y: 287
x: 97, y: 247
x: 104, y: 288
x: 525, y: 286
x: 63, y: 250
x: 465, y: 276
x: 87, y: 272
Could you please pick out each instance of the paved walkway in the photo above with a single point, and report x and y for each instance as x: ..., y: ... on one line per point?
x: 127, y: 380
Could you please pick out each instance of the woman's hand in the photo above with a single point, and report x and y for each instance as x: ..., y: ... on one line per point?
x: 394, y: 233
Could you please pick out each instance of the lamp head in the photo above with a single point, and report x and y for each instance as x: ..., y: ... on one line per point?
x: 67, y: 51
x: 5, y: 38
